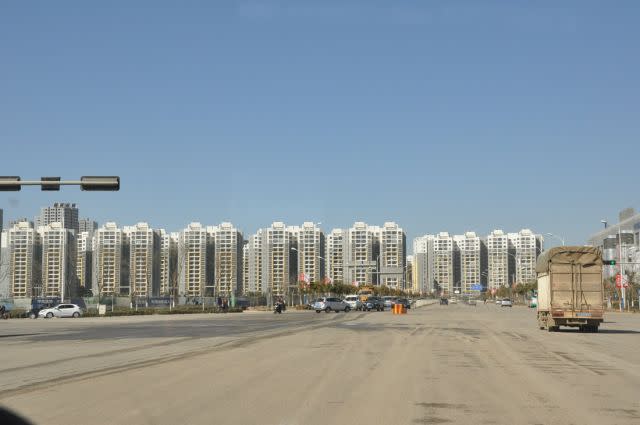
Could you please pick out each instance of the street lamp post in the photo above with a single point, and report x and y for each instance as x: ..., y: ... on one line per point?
x: 557, y: 237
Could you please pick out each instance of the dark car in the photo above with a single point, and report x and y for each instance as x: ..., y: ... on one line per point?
x: 373, y: 303
x: 444, y: 301
x: 405, y: 302
x: 40, y: 303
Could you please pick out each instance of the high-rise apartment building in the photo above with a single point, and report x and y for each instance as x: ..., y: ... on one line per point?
x: 281, y: 259
x: 245, y: 267
x: 58, y: 257
x: 256, y: 260
x: 192, y: 261
x: 144, y: 260
x: 470, y: 252
x: 392, y: 263
x: 4, y: 264
x: 87, y: 225
x: 310, y: 252
x: 64, y: 213
x: 228, y: 243
x: 24, y: 261
x: 165, y: 262
x: 336, y: 256
x: 441, y: 254
x: 84, y: 260
x: 527, y: 246
x: 421, y: 271
x: 107, y: 261
x: 498, y: 254
x: 362, y: 255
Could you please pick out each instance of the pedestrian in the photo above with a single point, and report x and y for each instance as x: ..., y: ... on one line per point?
x: 219, y: 302
x: 225, y: 305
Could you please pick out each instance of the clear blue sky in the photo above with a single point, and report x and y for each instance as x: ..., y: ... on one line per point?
x: 440, y: 115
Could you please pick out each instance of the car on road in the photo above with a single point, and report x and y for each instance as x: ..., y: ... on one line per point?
x: 472, y: 302
x: 373, y: 303
x: 354, y: 302
x: 506, y: 302
x: 453, y: 300
x: 498, y: 301
x: 328, y: 304
x: 444, y: 301
x: 61, y: 310
x: 389, y: 301
x: 405, y: 302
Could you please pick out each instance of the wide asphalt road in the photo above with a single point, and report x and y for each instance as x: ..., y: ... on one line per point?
x: 453, y: 364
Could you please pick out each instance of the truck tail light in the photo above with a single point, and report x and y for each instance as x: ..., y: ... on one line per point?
x: 557, y: 313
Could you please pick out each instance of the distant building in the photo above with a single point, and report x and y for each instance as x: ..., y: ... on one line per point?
x: 165, y: 262
x: 87, y: 225
x: 192, y: 261
x: 527, y: 246
x: 310, y: 252
x: 227, y: 273
x: 498, y: 259
x: 471, y: 262
x: 24, y: 261
x: 84, y: 261
x: 392, y: 250
x: 58, y: 257
x: 110, y: 277
x: 420, y: 269
x: 626, y: 230
x: 144, y: 260
x: 64, y: 213
x: 281, y: 264
x: 441, y: 254
x: 363, y: 251
x: 255, y: 263
x: 336, y: 256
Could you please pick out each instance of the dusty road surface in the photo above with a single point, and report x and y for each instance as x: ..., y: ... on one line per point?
x: 454, y: 364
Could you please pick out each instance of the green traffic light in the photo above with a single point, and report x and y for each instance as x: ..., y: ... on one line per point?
x: 612, y: 262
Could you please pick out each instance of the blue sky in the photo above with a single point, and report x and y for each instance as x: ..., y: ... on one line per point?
x: 440, y: 115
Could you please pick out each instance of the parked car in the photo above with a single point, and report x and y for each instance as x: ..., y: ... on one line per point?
x: 328, y: 304
x: 498, y: 301
x: 373, y: 303
x: 354, y: 302
x: 405, y: 302
x: 506, y: 302
x: 389, y: 301
x: 61, y: 310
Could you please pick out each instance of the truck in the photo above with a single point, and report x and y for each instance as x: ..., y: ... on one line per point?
x: 570, y: 288
x: 365, y: 292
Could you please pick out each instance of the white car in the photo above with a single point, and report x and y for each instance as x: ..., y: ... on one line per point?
x: 506, y: 302
x: 328, y: 304
x: 353, y: 301
x: 61, y: 310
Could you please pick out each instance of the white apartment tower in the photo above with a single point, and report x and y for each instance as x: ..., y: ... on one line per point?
x: 64, y: 213
x: 336, y: 256
x: 420, y: 268
x: 469, y: 252
x: 281, y: 267
x: 228, y: 259
x: 107, y: 259
x: 58, y: 256
x: 165, y: 262
x: 498, y: 259
x: 392, y: 240
x: 245, y: 267
x: 441, y: 253
x: 24, y: 279
x: 361, y: 257
x: 527, y: 245
x: 255, y: 263
x: 310, y: 252
x: 84, y: 251
x: 143, y: 260
x: 192, y: 260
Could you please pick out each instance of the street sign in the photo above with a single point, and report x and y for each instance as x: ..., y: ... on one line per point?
x: 476, y: 287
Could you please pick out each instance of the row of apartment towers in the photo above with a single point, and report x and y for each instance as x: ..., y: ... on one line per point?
x: 457, y: 264
x: 54, y: 260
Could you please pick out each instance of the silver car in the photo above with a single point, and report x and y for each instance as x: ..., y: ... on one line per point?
x: 328, y: 304
x: 61, y: 310
x: 353, y: 301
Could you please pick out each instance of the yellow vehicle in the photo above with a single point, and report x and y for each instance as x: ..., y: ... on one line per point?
x: 365, y: 292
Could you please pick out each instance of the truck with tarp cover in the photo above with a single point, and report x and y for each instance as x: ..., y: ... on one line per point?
x: 570, y: 288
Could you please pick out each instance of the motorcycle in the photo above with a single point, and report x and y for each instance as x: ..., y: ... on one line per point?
x: 279, y: 308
